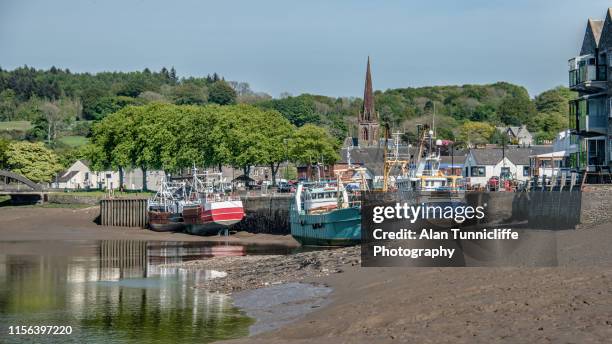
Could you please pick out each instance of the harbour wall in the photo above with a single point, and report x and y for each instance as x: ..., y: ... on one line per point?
x: 266, y: 214
x: 270, y: 213
x: 596, y: 205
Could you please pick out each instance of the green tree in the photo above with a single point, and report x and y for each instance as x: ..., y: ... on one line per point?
x: 189, y: 94
x: 112, y: 143
x: 311, y: 144
x: 222, y: 93
x: 517, y: 110
x: 4, y: 147
x: 298, y: 110
x: 555, y: 100
x: 57, y: 114
x: 8, y: 105
x: 475, y: 133
x: 499, y: 138
x: 274, y: 147
x: 33, y: 160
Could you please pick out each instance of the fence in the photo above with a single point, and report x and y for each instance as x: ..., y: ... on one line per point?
x: 123, y: 212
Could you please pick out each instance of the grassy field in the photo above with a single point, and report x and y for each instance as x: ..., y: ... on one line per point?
x: 16, y: 125
x: 73, y: 141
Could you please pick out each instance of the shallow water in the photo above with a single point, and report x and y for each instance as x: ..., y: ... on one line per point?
x: 116, y: 292
x: 280, y: 304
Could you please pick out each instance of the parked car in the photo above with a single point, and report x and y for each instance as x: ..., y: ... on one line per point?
x: 493, y: 183
x: 285, y: 187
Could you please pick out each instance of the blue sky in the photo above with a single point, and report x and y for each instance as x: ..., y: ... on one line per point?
x: 316, y: 46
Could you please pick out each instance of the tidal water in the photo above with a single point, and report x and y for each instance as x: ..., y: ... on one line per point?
x: 116, y: 292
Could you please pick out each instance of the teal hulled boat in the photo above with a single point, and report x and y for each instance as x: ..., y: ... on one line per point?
x: 322, y: 215
x: 340, y: 227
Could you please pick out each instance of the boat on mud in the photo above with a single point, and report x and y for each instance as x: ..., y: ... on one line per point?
x: 328, y: 213
x: 164, y: 209
x: 209, y: 210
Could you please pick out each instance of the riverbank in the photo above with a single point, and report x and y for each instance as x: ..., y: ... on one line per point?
x: 571, y: 303
x: 252, y: 272
x: 44, y: 223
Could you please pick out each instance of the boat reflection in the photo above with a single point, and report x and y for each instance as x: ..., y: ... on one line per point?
x: 116, y: 292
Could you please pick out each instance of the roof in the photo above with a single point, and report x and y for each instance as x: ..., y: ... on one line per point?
x: 516, y: 154
x: 558, y: 154
x: 65, y: 176
x: 596, y: 26
x: 371, y: 158
x: 519, y: 132
x: 454, y: 161
x: 243, y: 178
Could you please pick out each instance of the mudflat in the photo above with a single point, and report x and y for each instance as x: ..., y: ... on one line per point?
x: 571, y: 303
x: 39, y: 223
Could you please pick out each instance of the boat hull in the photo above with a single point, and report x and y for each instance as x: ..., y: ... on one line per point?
x: 212, y: 218
x: 340, y: 227
x: 161, y: 221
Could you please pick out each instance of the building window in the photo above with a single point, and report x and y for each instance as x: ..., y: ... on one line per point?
x: 525, y: 171
x: 86, y: 176
x: 478, y: 171
x: 505, y: 171
x: 365, y: 134
x: 108, y: 176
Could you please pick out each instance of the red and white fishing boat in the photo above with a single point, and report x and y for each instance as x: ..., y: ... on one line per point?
x: 209, y: 210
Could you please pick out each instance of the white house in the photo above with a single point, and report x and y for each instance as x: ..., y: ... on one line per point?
x: 513, y: 162
x: 551, y: 163
x: 80, y: 176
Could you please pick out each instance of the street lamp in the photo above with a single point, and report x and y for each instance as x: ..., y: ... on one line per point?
x: 285, y: 141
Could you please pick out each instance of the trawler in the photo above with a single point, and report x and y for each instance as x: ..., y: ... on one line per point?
x: 166, y: 206
x: 327, y: 213
x: 209, y: 210
x: 424, y: 178
x: 425, y: 184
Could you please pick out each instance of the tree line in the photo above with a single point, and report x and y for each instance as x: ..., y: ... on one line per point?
x: 174, y: 137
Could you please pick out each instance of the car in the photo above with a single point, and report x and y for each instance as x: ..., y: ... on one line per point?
x: 285, y: 187
x: 493, y: 183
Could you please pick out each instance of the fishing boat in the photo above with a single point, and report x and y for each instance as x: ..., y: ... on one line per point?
x: 164, y: 209
x: 327, y: 213
x: 425, y: 184
x: 209, y: 210
x: 424, y: 178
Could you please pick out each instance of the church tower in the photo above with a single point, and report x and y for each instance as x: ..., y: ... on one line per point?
x: 368, y: 117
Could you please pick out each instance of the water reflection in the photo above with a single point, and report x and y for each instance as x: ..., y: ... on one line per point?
x: 114, y: 292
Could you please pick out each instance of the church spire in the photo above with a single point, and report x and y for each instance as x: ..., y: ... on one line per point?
x: 369, y: 114
x: 368, y: 118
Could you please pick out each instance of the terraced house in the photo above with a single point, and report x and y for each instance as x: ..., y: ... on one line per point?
x: 590, y: 74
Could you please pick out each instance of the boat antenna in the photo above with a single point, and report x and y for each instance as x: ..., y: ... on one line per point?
x: 348, y: 155
x: 433, y: 120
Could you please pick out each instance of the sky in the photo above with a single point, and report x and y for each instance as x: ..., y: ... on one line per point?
x: 315, y: 46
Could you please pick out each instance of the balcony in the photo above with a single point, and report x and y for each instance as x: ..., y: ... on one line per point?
x: 589, y: 116
x: 585, y: 75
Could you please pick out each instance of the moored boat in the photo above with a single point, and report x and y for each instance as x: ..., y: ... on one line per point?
x: 327, y: 214
x: 164, y: 208
x: 210, y: 211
